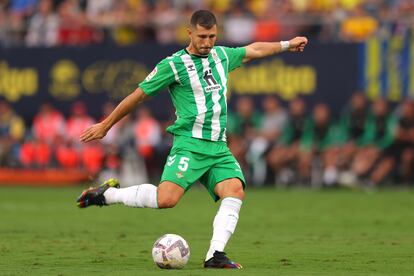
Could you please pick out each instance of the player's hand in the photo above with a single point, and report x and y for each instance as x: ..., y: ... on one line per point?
x: 298, y: 44
x: 96, y: 131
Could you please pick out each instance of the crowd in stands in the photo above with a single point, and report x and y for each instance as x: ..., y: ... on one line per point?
x: 47, y: 23
x: 52, y: 141
x: 370, y: 143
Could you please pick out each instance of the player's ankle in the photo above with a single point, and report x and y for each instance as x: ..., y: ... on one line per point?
x: 110, y: 196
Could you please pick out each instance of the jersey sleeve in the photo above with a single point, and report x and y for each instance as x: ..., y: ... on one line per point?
x: 235, y: 56
x: 161, y: 77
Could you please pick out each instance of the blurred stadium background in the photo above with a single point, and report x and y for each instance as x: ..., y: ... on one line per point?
x: 341, y: 113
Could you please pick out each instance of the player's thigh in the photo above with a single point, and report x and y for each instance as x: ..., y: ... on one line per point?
x: 182, y: 168
x: 224, y: 169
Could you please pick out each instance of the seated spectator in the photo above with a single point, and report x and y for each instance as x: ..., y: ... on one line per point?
x: 359, y: 26
x: 165, y: 19
x: 13, y: 30
x: 67, y: 156
x: 283, y: 158
x: 400, y: 154
x: 78, y: 121
x: 3, y: 27
x: 125, y: 21
x: 147, y: 132
x: 74, y: 28
x: 267, y: 28
x: 242, y: 126
x: 182, y: 25
x: 245, y: 121
x: 378, y: 136
x: 13, y: 21
x: 273, y: 122
x: 238, y: 26
x: 43, y: 26
x: 48, y: 124
x: 12, y: 130
x: 353, y: 122
x: 98, y: 10
x: 22, y: 7
x: 147, y: 139
x: 125, y: 141
x: 320, y: 140
x: 274, y: 119
x: 111, y: 167
x: 92, y: 156
x: 112, y: 160
x: 219, y: 6
x: 36, y: 154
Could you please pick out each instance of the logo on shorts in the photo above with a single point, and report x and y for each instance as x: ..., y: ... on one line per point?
x: 238, y: 165
x: 179, y: 175
x: 171, y: 160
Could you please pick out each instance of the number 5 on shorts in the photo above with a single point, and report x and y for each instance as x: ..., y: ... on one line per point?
x: 183, y: 164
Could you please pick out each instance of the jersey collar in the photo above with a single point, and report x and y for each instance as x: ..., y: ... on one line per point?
x: 199, y: 56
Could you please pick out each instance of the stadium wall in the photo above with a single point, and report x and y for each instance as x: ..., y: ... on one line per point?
x: 387, y: 67
x: 29, y: 77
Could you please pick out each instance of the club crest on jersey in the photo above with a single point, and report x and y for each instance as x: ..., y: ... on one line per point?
x: 179, y: 175
x: 152, y: 74
x: 212, y: 84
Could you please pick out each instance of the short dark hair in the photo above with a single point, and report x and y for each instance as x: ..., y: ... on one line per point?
x: 203, y: 18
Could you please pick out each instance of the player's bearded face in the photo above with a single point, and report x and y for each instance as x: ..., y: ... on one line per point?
x: 202, y: 39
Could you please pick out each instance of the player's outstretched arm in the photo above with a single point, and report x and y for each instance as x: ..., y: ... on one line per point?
x: 264, y: 49
x: 99, y: 130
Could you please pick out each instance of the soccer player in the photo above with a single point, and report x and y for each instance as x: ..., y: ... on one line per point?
x: 285, y: 154
x: 378, y: 136
x: 197, y: 78
x: 399, y: 155
x: 321, y: 138
x: 354, y: 121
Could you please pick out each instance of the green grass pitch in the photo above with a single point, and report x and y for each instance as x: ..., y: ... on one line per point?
x: 288, y: 232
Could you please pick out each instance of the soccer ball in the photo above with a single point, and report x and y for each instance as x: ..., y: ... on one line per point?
x: 171, y: 252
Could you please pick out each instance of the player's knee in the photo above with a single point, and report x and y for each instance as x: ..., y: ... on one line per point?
x: 167, y: 202
x: 239, y: 191
x: 236, y: 191
x: 239, y: 195
x: 168, y: 195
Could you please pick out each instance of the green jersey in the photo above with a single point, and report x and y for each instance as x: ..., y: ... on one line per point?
x: 321, y: 138
x: 198, y: 87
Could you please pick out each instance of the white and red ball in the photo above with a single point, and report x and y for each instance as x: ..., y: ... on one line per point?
x: 171, y: 252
